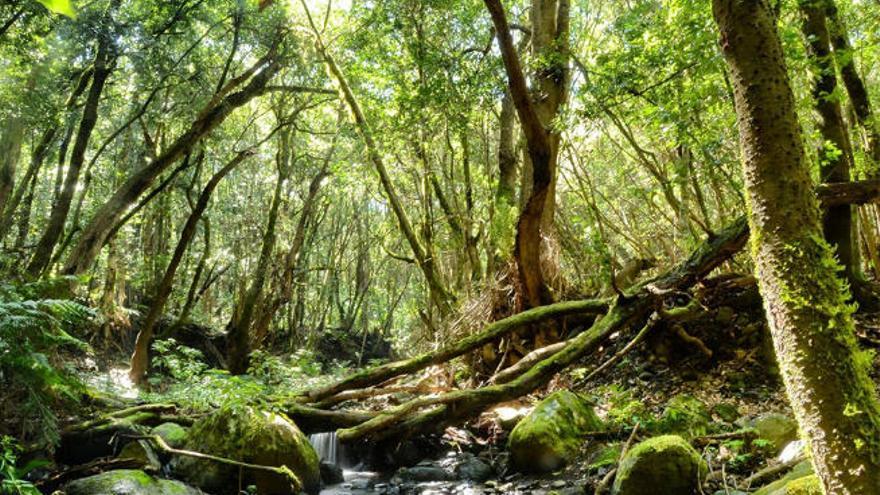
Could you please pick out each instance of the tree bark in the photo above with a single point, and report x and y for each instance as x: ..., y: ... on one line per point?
x: 215, y: 112
x: 38, y: 155
x: 825, y: 376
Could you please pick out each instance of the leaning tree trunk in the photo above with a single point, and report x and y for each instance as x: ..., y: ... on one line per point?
x: 46, y: 245
x: 140, y: 361
x: 825, y: 376
x: 213, y: 114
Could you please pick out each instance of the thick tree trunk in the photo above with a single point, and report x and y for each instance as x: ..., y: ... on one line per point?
x: 215, y: 112
x: 104, y: 60
x: 38, y: 155
x: 10, y: 154
x: 140, y: 359
x: 826, y: 377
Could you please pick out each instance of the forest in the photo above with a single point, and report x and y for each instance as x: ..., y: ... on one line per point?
x: 391, y: 247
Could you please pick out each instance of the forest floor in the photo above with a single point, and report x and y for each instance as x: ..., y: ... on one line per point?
x: 710, y: 386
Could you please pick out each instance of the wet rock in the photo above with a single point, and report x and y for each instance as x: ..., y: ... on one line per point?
x: 777, y: 428
x: 665, y: 465
x: 143, y: 452
x: 552, y: 434
x: 249, y: 435
x: 417, y: 474
x: 472, y: 468
x: 173, y: 434
x: 128, y: 482
x: 331, y: 473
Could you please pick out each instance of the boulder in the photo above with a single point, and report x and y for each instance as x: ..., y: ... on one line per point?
x: 128, y: 482
x: 420, y: 474
x: 173, y: 434
x: 472, y: 468
x: 552, y: 434
x: 249, y: 435
x: 776, y: 428
x: 664, y: 465
x: 331, y: 474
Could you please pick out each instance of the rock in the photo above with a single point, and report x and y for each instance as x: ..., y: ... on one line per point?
x: 664, y: 465
x: 417, y: 474
x: 552, y: 433
x: 128, y: 482
x: 331, y: 474
x: 776, y: 428
x: 248, y: 435
x: 686, y: 416
x: 142, y: 451
x: 726, y: 411
x: 472, y: 468
x: 173, y: 434
x: 790, y: 481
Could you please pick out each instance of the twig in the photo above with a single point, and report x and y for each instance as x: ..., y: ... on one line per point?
x: 606, y: 480
x: 652, y: 321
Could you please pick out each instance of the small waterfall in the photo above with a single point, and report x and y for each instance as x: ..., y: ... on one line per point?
x: 326, y: 445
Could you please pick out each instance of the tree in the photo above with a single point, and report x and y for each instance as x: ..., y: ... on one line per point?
x: 824, y: 372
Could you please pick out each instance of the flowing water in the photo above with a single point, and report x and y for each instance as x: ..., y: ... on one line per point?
x: 326, y: 445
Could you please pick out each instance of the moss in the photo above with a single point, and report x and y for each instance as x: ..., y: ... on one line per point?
x: 808, y: 485
x: 553, y: 432
x: 249, y: 435
x: 778, y: 487
x: 660, y: 466
x: 684, y: 415
x: 173, y: 434
x: 606, y: 456
x: 127, y: 482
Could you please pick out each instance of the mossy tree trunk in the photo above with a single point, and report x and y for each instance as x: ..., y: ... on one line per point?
x: 825, y: 375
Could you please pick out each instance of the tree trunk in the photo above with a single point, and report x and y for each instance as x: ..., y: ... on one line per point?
x: 834, y: 165
x: 238, y: 347
x: 10, y: 154
x: 140, y: 360
x: 215, y: 112
x: 826, y: 377
x: 38, y: 155
x: 104, y: 61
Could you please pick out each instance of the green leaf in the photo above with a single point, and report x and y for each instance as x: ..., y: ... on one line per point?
x: 63, y: 7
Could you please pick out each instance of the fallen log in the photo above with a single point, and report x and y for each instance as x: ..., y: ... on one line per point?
x: 314, y: 420
x: 493, y: 332
x: 527, y: 362
x: 456, y: 406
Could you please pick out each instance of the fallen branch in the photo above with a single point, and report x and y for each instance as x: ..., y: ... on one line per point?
x: 650, y: 325
x: 770, y: 472
x: 282, y: 470
x: 527, y: 362
x: 314, y: 420
x: 493, y: 332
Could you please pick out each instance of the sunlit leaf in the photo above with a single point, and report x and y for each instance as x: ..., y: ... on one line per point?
x: 63, y: 7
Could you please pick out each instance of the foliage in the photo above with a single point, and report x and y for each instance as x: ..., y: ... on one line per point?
x: 32, y: 334
x: 11, y: 477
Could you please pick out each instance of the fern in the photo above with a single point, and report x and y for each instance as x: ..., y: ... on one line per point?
x: 32, y: 333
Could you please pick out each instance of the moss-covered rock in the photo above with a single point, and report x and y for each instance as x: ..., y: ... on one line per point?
x: 143, y: 452
x: 249, y: 435
x: 128, y: 482
x: 776, y: 428
x: 173, y: 434
x: 791, y: 481
x: 552, y: 433
x: 664, y: 465
x: 686, y: 416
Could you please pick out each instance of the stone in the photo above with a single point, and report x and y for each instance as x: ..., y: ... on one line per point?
x: 128, y: 482
x: 664, y: 465
x: 143, y: 452
x: 552, y: 434
x: 173, y: 434
x: 331, y: 474
x: 417, y: 474
x: 247, y: 434
x: 472, y: 468
x: 776, y: 428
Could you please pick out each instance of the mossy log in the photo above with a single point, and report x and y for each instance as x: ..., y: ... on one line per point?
x: 493, y: 332
x: 314, y: 420
x: 633, y: 309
